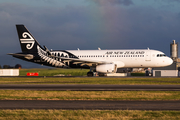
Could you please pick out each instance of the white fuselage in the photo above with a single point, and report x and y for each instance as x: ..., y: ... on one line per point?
x: 126, y: 58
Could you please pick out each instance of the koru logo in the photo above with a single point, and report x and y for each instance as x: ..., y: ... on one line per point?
x: 27, y: 39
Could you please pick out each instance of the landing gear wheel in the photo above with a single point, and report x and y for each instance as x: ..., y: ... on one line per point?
x: 101, y: 74
x: 90, y: 74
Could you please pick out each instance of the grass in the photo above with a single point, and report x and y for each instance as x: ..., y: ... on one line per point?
x: 88, y: 115
x: 88, y: 95
x: 62, y: 71
x: 137, y: 74
x: 55, y: 71
x: 90, y: 80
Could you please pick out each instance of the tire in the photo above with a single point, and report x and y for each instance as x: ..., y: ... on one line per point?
x: 101, y: 74
x: 90, y: 74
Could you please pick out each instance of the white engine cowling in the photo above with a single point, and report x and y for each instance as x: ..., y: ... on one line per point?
x: 106, y: 68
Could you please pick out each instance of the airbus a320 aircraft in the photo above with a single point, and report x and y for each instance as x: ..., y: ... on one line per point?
x: 101, y: 61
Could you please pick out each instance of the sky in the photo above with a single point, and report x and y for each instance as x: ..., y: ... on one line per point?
x: 89, y: 24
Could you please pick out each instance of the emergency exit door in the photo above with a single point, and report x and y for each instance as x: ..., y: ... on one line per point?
x: 148, y: 56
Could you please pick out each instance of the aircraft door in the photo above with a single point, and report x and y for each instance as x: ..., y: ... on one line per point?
x: 148, y: 56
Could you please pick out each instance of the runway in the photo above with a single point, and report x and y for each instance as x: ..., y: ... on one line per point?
x: 87, y: 87
x: 89, y: 105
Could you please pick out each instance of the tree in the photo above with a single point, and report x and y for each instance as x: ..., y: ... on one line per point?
x: 6, y: 66
x: 18, y: 66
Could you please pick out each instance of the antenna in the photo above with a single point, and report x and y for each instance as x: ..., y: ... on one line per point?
x: 99, y: 48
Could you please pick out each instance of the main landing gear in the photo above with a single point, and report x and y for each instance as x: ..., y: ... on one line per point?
x: 90, y: 74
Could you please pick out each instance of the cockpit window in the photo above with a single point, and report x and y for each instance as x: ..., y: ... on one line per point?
x: 161, y: 55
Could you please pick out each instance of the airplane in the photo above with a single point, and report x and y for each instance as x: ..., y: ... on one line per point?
x: 100, y: 61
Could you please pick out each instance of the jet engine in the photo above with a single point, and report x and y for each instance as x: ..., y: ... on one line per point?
x: 106, y: 68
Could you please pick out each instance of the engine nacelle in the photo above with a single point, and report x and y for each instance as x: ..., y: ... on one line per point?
x: 106, y: 68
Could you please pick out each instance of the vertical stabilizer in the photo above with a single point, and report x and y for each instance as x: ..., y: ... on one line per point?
x: 27, y: 41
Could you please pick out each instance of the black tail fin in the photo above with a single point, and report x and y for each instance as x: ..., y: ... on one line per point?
x: 27, y: 41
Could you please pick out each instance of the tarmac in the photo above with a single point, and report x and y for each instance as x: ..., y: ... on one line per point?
x: 89, y: 87
x: 89, y: 105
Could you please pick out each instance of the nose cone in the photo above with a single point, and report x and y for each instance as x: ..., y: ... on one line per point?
x: 169, y: 61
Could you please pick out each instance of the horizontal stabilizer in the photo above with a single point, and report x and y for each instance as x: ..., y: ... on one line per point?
x: 27, y: 56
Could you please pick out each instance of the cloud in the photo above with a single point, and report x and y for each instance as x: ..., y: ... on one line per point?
x: 171, y: 0
x: 45, y: 1
x: 124, y: 2
x: 114, y: 2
